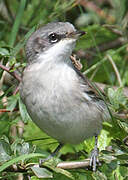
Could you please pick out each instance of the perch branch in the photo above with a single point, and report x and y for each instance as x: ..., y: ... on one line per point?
x: 74, y: 164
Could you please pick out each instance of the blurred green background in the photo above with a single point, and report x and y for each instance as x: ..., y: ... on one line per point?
x: 103, y: 52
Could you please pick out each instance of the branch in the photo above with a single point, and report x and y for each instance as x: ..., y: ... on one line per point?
x: 74, y: 164
x: 16, y: 90
x: 5, y: 110
x: 14, y: 74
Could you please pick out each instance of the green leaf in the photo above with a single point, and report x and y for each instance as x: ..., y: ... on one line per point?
x: 20, y: 158
x: 42, y: 172
x: 23, y: 41
x: 59, y: 170
x: 123, y: 157
x: 116, y: 97
x: 20, y: 147
x: 99, y: 175
x: 123, y: 125
x: 4, y: 52
x: 4, y: 124
x: 17, y: 22
x: 34, y: 178
x: 12, y: 101
x: 12, y: 61
x: 23, y: 112
x: 5, y: 151
x: 104, y: 139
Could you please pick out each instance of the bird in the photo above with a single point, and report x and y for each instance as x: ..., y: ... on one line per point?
x: 60, y: 100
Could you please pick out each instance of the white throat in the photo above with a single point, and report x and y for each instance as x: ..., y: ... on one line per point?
x: 59, y: 52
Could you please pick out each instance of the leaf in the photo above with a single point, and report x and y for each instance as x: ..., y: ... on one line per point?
x: 34, y: 178
x: 12, y: 61
x: 19, y: 147
x: 42, y: 172
x: 17, y: 22
x: 20, y: 158
x: 25, y: 148
x: 23, y: 41
x: 4, y: 124
x: 59, y: 170
x: 99, y: 175
x: 104, y: 139
x: 12, y: 101
x: 117, y: 97
x: 5, y: 151
x: 4, y: 52
x: 123, y: 157
x: 123, y: 125
x: 23, y: 112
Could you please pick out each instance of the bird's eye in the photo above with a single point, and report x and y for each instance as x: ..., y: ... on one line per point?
x: 53, y: 38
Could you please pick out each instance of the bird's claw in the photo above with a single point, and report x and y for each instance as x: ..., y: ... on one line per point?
x: 94, y: 158
x: 41, y: 161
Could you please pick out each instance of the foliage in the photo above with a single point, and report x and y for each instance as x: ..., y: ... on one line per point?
x: 104, y: 55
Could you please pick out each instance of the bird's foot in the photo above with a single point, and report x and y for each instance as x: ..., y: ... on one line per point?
x: 94, y: 158
x: 41, y: 161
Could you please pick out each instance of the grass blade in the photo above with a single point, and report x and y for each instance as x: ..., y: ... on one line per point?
x: 17, y: 22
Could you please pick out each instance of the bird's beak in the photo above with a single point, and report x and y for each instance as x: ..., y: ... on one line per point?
x: 75, y: 34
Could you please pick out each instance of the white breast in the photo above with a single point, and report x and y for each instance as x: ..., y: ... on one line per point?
x: 56, y: 103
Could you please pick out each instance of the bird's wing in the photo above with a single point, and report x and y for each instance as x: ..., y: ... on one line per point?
x: 91, y: 88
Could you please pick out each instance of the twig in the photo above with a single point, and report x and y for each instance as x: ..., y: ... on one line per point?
x: 74, y: 164
x: 16, y: 90
x: 115, y: 69
x: 14, y: 74
x: 5, y: 110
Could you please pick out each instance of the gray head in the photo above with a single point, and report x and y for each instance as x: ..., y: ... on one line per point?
x: 56, y: 36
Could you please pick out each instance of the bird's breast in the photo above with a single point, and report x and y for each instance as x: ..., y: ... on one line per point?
x: 54, y: 102
x: 52, y: 91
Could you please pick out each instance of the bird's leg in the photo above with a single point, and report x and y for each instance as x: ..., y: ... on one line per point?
x: 94, y: 155
x: 41, y: 161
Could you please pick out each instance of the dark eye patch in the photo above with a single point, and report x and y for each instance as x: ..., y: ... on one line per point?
x: 54, y: 37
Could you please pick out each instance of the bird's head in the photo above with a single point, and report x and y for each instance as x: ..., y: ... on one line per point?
x: 55, y: 39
